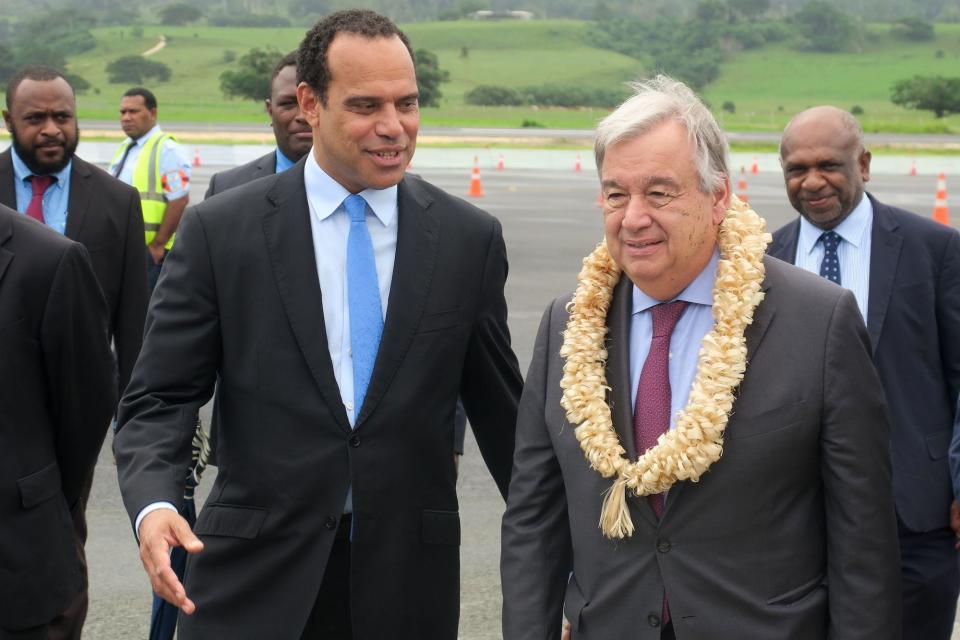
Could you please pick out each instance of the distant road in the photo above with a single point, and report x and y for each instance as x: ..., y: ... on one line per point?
x: 568, y: 134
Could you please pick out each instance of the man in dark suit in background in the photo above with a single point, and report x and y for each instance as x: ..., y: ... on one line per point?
x: 291, y: 131
x: 41, y: 176
x: 57, y: 393
x: 342, y: 306
x: 789, y: 534
x: 905, y: 273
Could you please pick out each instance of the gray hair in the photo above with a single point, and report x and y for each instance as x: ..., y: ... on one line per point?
x: 655, y: 101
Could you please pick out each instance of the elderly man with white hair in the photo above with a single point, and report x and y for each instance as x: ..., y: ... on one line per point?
x: 702, y: 443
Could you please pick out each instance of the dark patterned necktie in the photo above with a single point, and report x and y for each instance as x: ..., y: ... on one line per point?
x: 651, y: 415
x: 830, y: 267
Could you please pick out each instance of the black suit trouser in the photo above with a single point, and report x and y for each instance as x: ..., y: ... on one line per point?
x: 931, y: 582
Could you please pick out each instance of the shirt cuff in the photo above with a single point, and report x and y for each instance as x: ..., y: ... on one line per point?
x: 148, y: 509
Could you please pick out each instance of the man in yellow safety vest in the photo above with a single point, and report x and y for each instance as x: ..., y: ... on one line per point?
x: 155, y: 164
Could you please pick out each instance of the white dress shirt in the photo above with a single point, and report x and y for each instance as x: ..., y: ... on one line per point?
x: 853, y: 251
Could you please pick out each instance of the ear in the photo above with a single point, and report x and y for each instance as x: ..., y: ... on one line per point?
x: 310, y: 105
x: 8, y: 120
x: 864, y: 164
x: 268, y: 105
x: 721, y: 201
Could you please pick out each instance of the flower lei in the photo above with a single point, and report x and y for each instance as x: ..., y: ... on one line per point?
x: 686, y: 452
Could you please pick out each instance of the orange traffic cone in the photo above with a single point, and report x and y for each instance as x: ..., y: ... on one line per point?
x: 578, y: 167
x: 476, y: 188
x: 196, y: 156
x: 754, y: 168
x: 742, y: 186
x: 913, y: 168
x: 940, y: 212
x: 500, y: 164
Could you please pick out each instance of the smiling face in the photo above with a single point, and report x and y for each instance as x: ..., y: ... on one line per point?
x: 660, y: 227
x: 366, y: 132
x: 293, y: 133
x: 824, y: 166
x: 43, y: 124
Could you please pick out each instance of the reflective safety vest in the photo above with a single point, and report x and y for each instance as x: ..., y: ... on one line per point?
x: 148, y: 181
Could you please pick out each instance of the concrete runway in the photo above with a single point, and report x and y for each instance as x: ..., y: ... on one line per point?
x: 550, y: 222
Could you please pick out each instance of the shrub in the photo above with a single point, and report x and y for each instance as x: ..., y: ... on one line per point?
x: 729, y: 107
x: 488, y: 95
x: 857, y: 110
x: 136, y: 69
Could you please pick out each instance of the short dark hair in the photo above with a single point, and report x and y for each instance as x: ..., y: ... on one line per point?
x: 149, y: 100
x: 289, y: 60
x: 37, y: 72
x: 312, y: 66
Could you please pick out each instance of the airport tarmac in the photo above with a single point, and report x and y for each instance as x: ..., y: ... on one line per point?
x: 551, y: 220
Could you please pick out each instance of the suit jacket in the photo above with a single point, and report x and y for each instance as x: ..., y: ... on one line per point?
x: 240, y: 297
x: 56, y: 398
x: 913, y: 317
x: 790, y: 535
x: 104, y: 215
x: 262, y: 166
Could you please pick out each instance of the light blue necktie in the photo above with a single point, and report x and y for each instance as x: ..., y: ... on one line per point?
x: 363, y: 298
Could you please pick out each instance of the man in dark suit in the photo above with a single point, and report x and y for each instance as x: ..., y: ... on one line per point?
x: 344, y: 306
x: 292, y: 132
x: 703, y: 346
x: 85, y: 204
x: 905, y: 273
x: 57, y: 393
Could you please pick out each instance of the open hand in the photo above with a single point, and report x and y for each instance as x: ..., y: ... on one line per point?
x: 160, y: 531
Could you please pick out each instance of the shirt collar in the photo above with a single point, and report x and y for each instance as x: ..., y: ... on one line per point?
x: 283, y: 162
x: 700, y: 291
x: 21, y: 172
x: 326, y: 194
x: 852, y: 229
x: 139, y: 141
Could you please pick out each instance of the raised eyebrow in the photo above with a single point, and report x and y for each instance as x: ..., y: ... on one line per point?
x: 356, y: 101
x: 409, y: 96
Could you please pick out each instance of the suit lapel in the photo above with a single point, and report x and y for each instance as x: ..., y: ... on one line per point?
x: 286, y: 226
x: 418, y: 240
x: 267, y: 166
x: 6, y: 231
x: 8, y: 193
x: 784, y: 245
x: 79, y: 201
x: 885, y: 244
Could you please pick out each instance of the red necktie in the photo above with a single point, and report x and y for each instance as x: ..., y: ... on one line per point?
x: 40, y: 185
x: 651, y: 415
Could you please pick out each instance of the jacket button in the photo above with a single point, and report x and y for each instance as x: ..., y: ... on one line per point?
x: 653, y: 620
x: 355, y: 441
x: 663, y: 546
x: 331, y: 523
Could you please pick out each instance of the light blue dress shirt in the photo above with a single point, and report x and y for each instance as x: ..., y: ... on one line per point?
x: 853, y: 251
x: 283, y: 162
x: 173, y: 161
x: 55, y: 199
x: 696, y: 321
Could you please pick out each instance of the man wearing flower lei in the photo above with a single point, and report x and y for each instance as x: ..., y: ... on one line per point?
x: 702, y: 444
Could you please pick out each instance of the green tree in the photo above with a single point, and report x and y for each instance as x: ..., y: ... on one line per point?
x: 8, y: 65
x: 179, y: 13
x: 251, y: 78
x: 928, y: 93
x: 751, y: 9
x: 429, y: 77
x: 823, y: 28
x: 136, y: 69
x: 914, y: 29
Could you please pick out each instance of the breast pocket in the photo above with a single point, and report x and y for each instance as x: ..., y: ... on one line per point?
x: 440, y: 321
x: 745, y: 425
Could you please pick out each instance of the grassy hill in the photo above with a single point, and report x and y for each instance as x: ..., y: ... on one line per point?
x: 767, y: 85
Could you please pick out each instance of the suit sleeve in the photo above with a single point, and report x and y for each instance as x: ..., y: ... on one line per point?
x: 863, y: 568
x: 948, y: 315
x: 535, y: 556
x: 491, y: 383
x: 131, y: 311
x: 174, y: 375
x: 80, y: 368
